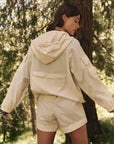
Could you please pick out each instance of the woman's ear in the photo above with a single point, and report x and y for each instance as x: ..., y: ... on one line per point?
x: 64, y: 17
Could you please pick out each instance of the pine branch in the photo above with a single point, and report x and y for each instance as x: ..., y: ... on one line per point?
x: 100, y: 43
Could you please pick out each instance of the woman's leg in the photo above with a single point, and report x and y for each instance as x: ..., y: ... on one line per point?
x: 79, y: 136
x: 45, y: 137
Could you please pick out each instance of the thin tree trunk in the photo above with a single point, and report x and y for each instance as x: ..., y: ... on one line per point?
x: 4, y: 133
x: 31, y: 96
x: 33, y: 113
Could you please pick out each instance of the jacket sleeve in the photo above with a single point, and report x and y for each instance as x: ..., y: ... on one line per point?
x: 18, y: 85
x: 87, y: 78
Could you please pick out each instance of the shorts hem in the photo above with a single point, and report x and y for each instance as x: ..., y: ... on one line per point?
x: 47, y: 128
x: 74, y: 126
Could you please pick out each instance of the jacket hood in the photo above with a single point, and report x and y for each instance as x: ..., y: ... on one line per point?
x: 50, y: 45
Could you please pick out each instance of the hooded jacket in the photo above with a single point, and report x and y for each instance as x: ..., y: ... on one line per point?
x: 56, y: 64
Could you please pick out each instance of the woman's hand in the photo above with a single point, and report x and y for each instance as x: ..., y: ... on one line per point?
x: 3, y: 114
x: 112, y: 111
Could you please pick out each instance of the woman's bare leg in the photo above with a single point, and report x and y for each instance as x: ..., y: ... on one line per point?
x: 45, y: 137
x: 79, y: 136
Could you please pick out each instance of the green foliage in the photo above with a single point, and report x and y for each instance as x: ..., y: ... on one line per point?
x: 103, y: 54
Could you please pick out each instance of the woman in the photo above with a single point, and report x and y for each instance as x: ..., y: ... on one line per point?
x: 56, y: 68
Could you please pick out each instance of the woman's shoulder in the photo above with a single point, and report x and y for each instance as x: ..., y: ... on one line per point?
x: 75, y: 41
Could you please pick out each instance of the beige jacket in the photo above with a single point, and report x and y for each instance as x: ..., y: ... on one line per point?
x: 56, y: 64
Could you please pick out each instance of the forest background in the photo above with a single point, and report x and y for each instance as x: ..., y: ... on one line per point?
x: 23, y: 20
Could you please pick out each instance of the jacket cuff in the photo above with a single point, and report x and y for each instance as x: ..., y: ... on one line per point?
x: 112, y: 111
x: 3, y: 112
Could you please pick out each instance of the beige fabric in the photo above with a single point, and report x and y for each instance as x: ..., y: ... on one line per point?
x: 55, y: 113
x: 47, y: 47
x: 56, y: 65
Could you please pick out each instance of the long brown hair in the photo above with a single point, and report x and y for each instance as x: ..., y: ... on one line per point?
x: 68, y: 10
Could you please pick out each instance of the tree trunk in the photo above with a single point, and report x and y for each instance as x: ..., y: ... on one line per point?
x: 85, y: 38
x: 4, y: 132
x: 33, y: 113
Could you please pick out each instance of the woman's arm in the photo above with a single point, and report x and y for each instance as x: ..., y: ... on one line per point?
x: 87, y: 78
x: 18, y: 85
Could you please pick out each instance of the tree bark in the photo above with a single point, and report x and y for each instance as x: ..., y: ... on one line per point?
x: 85, y: 37
x: 33, y: 113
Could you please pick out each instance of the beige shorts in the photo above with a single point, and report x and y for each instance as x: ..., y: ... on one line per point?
x: 55, y: 113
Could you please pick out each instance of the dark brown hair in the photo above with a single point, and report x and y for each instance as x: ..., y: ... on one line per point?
x: 68, y: 10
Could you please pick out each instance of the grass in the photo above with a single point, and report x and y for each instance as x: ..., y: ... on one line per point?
x: 108, y: 126
x: 106, y: 120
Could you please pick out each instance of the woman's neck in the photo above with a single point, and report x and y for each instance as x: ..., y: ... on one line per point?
x: 59, y: 28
